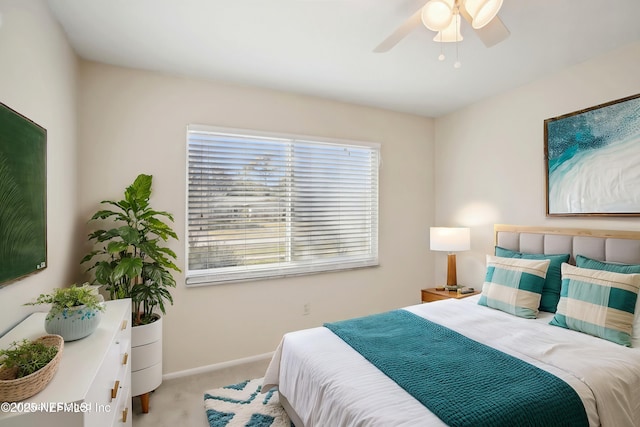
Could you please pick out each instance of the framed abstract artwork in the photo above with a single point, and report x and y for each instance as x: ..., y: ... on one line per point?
x: 23, y: 216
x: 592, y: 160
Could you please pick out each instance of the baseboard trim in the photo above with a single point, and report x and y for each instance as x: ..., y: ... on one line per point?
x: 217, y: 366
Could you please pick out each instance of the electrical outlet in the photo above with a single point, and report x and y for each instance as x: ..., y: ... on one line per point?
x: 306, y: 309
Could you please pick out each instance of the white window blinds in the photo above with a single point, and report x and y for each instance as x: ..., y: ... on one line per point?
x: 263, y: 206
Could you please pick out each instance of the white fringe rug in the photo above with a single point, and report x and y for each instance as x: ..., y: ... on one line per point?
x: 242, y: 405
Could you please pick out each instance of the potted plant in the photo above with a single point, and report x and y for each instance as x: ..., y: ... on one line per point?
x: 131, y: 261
x: 26, y: 367
x: 75, y: 311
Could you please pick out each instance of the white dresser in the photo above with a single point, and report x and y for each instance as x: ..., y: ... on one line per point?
x: 92, y: 387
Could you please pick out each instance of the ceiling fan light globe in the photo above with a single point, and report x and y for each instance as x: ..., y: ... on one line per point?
x: 437, y: 14
x: 451, y: 34
x: 482, y: 11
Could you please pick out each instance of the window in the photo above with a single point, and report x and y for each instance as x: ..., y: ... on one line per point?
x: 262, y: 205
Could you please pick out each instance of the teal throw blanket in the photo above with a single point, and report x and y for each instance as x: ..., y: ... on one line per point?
x: 463, y: 382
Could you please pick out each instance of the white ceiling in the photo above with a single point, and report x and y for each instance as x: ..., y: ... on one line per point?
x: 324, y: 47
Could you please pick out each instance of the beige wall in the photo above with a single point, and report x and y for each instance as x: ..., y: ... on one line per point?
x: 490, y: 156
x: 38, y: 79
x: 135, y: 121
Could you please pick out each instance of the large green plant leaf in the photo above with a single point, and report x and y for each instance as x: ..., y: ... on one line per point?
x: 105, y: 213
x: 129, y: 234
x: 89, y: 256
x: 104, y: 272
x: 96, y: 234
x: 139, y: 192
x: 168, y: 279
x: 157, y: 254
x: 158, y: 275
x: 115, y: 247
x: 169, y: 252
x: 107, y: 235
x: 151, y: 213
x: 123, y: 205
x: 160, y: 229
x: 129, y: 267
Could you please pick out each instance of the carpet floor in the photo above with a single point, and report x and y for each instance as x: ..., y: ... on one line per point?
x: 242, y: 405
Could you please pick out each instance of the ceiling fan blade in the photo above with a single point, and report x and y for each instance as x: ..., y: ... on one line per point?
x: 493, y: 33
x: 400, y: 33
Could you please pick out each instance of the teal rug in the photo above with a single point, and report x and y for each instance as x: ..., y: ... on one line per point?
x: 242, y: 405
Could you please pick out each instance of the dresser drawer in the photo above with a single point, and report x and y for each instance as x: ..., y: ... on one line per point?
x: 122, y: 408
x: 111, y: 385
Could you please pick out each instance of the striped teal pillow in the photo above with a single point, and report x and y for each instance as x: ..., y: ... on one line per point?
x: 599, y: 303
x: 514, y: 285
x: 553, y: 281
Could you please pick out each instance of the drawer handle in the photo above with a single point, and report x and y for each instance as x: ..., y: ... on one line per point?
x: 114, y: 390
x: 124, y: 325
x: 125, y: 358
x: 125, y: 412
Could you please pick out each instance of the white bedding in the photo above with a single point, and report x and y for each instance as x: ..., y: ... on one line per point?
x: 330, y: 384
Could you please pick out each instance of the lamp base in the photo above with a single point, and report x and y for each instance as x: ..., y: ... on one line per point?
x: 452, y: 280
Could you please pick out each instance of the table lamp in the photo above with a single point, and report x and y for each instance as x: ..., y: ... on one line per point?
x: 450, y: 239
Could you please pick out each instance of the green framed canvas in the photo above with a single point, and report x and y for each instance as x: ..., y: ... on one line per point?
x: 23, y: 198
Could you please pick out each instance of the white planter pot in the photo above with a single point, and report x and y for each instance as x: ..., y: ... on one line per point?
x: 146, y: 357
x: 73, y: 323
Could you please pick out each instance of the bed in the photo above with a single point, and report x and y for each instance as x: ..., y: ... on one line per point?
x: 323, y: 381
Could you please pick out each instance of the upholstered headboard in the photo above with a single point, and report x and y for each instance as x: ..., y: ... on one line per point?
x: 604, y: 245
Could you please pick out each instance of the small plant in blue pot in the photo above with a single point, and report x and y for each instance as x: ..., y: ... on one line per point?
x: 75, y: 311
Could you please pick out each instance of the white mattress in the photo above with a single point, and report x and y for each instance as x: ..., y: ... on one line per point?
x: 329, y: 384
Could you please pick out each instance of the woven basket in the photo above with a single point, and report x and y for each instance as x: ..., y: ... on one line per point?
x: 15, y: 389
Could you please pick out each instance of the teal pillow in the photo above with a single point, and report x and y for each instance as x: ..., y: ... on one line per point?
x: 598, y: 302
x: 513, y: 285
x: 584, y: 262
x: 553, y: 282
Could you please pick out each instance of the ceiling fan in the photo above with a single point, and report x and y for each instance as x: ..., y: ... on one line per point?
x: 443, y: 16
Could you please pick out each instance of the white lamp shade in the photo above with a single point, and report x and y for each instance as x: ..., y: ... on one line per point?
x: 450, y: 239
x: 437, y: 14
x: 482, y: 11
x: 451, y: 34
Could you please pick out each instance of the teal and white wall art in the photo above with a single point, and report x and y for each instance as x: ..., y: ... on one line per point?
x: 593, y: 160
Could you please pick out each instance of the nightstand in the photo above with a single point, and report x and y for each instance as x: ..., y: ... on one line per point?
x: 430, y: 294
